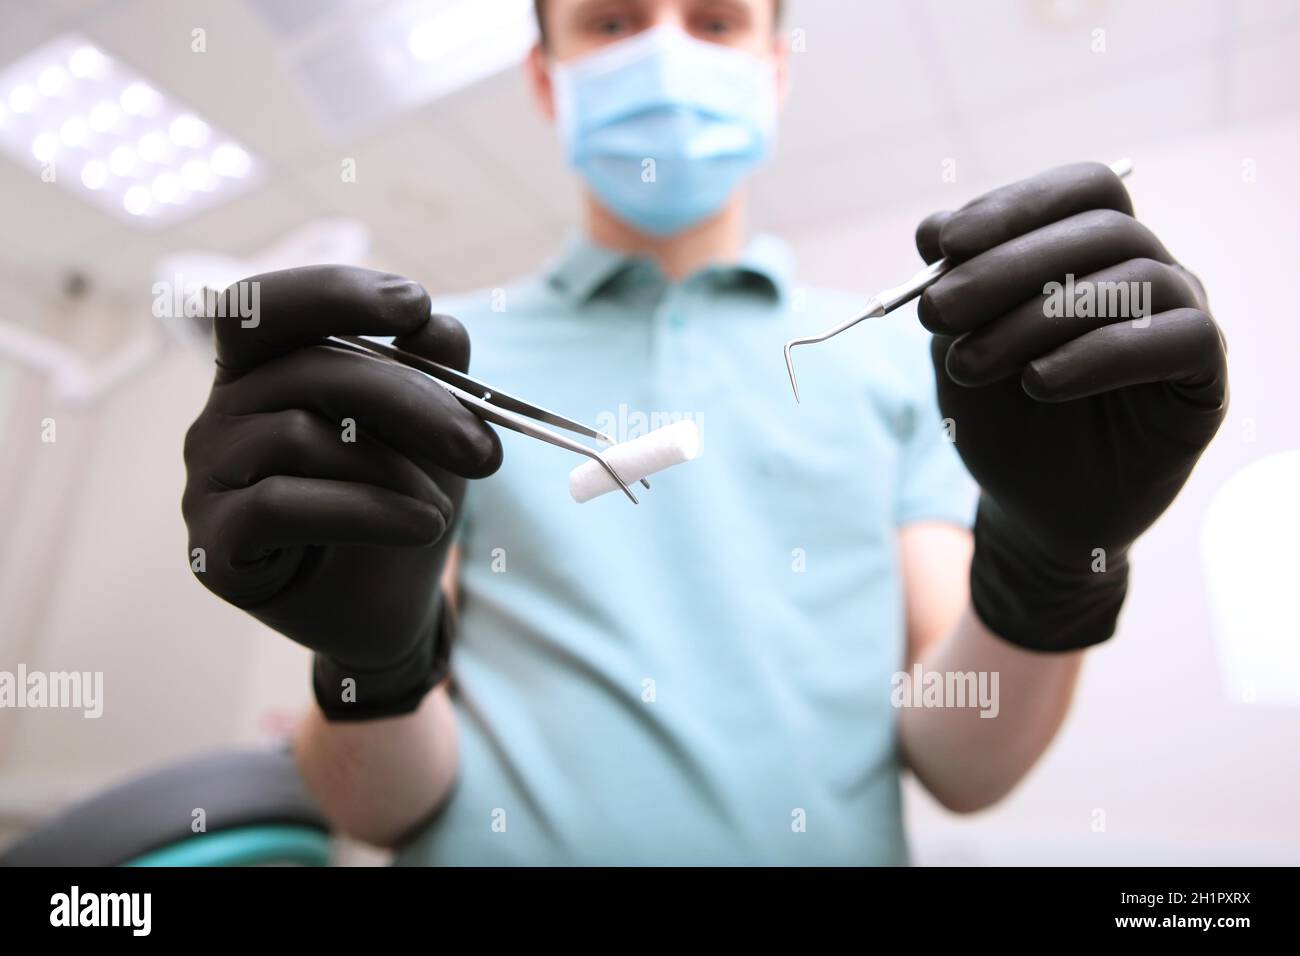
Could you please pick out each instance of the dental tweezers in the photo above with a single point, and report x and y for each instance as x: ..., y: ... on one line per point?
x: 887, y: 301
x: 491, y: 404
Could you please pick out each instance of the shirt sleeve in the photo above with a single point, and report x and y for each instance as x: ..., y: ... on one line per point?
x: 933, y: 484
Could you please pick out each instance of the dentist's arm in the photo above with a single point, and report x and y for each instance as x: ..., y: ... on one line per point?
x: 1080, y: 416
x: 379, y: 780
x: 321, y: 487
x: 966, y: 761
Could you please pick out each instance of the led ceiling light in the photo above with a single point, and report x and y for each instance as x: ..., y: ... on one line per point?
x: 400, y: 54
x: 71, y: 111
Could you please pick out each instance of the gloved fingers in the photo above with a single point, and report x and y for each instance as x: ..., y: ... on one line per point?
x: 1183, y: 348
x: 398, y: 406
x: 295, y: 307
x: 1132, y: 290
x: 996, y: 281
x: 286, y: 512
x: 927, y: 236
x: 301, y: 444
x: 1013, y: 210
x: 442, y: 339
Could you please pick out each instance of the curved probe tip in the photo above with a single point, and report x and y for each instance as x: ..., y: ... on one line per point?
x: 789, y: 367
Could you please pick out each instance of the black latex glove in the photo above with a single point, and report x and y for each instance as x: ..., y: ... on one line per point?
x: 1080, y: 431
x: 338, y: 545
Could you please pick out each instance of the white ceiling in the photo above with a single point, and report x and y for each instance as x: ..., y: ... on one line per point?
x: 471, y: 189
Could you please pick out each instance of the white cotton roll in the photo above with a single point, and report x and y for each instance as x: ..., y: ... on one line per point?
x: 635, y: 459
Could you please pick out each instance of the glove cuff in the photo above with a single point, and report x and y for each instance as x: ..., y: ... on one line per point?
x: 348, y: 694
x: 1036, y: 601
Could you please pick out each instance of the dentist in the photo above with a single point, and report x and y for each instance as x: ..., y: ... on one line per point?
x: 705, y: 679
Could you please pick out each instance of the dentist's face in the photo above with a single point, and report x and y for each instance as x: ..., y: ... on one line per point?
x: 575, y: 28
x: 664, y: 132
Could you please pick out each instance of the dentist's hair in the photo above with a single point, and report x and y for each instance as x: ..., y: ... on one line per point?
x: 539, y: 8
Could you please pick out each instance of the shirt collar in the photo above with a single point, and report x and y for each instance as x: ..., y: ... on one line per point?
x: 585, y: 267
x: 770, y: 261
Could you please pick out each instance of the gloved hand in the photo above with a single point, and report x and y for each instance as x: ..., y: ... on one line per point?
x: 1080, y: 429
x: 336, y: 544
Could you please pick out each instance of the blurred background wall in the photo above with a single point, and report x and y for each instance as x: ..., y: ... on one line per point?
x: 1182, y: 746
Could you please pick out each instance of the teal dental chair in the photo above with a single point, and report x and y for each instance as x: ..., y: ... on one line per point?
x: 257, y: 813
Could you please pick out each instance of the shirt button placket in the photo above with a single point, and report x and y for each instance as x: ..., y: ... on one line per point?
x: 672, y: 358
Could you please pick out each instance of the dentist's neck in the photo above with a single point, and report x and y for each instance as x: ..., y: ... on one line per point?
x: 718, y: 239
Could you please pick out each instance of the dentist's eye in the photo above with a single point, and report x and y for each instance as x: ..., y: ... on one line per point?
x: 612, y: 26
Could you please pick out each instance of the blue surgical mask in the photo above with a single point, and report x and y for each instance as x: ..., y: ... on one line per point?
x: 664, y: 127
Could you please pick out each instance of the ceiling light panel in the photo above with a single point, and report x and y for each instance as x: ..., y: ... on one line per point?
x: 403, y: 54
x: 77, y: 117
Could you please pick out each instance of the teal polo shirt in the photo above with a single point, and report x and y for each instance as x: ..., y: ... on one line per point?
x: 703, y: 678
